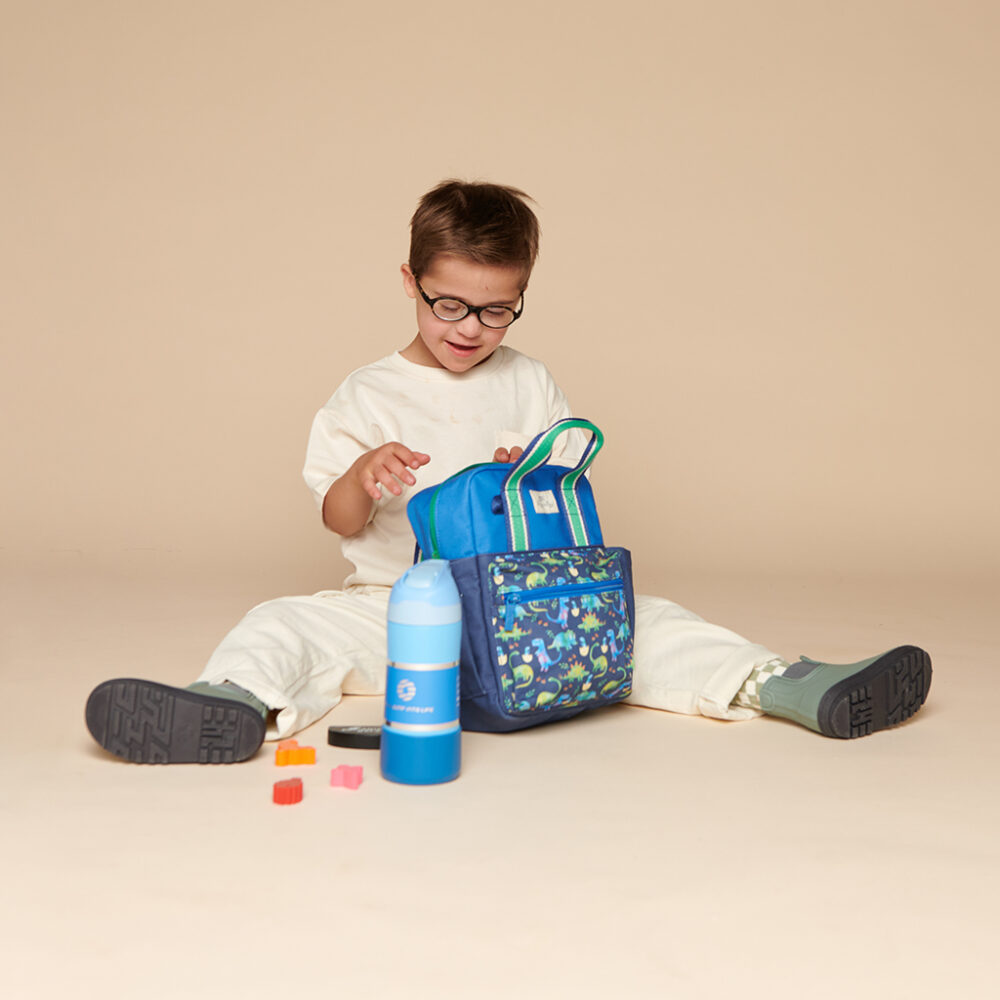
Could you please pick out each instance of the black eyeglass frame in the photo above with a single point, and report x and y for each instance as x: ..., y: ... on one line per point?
x: 475, y: 310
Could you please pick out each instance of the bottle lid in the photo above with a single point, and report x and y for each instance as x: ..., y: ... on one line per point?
x: 355, y: 737
x: 426, y: 595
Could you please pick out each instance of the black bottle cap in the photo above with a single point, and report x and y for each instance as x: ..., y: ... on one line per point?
x: 356, y: 737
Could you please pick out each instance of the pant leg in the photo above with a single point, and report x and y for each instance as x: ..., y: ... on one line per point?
x: 685, y: 664
x: 300, y: 654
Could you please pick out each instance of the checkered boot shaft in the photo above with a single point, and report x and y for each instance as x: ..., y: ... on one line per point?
x: 748, y: 696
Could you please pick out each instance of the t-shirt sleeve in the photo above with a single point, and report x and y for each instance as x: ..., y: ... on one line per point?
x: 570, y: 446
x: 558, y: 404
x: 339, y: 437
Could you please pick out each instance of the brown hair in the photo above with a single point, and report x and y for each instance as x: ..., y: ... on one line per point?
x: 485, y: 223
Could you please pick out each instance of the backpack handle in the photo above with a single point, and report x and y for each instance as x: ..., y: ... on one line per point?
x: 538, y: 452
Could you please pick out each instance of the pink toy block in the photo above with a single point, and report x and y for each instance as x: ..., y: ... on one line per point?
x: 345, y: 776
x: 289, y: 752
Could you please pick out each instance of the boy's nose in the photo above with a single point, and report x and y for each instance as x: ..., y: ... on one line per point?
x: 468, y: 326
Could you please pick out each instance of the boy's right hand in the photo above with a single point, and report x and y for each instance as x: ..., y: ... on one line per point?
x: 347, y: 506
x: 388, y: 466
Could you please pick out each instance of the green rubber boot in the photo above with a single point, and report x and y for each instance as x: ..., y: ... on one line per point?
x: 850, y: 699
x: 150, y: 723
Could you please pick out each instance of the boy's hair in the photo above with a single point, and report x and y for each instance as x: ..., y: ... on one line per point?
x: 485, y: 223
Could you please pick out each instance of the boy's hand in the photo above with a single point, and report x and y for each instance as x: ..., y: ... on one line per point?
x: 388, y: 465
x: 347, y: 506
x: 503, y: 455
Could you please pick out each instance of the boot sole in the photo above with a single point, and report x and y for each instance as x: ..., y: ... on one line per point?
x: 149, y: 723
x: 884, y: 694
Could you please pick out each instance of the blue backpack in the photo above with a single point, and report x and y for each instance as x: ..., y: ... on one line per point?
x: 547, y: 609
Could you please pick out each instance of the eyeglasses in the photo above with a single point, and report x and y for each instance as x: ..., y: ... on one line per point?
x: 452, y: 310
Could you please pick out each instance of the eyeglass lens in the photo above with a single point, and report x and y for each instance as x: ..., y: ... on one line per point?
x: 492, y: 316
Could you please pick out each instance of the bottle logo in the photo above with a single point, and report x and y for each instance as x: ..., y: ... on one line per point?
x: 406, y: 690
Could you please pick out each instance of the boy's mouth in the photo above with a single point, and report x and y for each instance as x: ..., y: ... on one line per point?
x: 462, y: 350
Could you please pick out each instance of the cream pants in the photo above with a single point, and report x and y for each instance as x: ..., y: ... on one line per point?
x: 299, y: 655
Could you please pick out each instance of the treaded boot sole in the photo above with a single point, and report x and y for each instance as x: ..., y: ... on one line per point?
x: 149, y: 723
x: 884, y: 694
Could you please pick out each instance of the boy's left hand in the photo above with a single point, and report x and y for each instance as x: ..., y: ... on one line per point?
x: 503, y: 455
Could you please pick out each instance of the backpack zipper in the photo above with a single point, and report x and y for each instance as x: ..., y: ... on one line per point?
x: 566, y: 591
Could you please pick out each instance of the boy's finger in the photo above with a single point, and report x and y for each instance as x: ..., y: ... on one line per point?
x: 379, y: 478
x: 390, y: 483
x: 414, y: 459
x: 396, y: 468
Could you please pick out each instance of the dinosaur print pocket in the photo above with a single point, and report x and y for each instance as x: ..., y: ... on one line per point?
x: 561, y: 629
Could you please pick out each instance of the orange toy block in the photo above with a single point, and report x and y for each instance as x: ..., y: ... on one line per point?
x: 289, y: 752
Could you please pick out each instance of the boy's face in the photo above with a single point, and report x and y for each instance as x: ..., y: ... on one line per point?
x: 461, y: 345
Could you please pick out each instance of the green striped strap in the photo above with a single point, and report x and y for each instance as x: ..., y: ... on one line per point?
x: 535, y: 456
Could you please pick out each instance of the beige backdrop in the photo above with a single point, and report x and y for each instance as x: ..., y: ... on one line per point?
x: 768, y: 268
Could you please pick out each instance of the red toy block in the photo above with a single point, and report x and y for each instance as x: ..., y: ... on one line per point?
x: 289, y: 752
x: 345, y: 776
x: 287, y: 793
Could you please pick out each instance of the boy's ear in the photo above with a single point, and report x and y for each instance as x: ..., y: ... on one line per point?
x: 409, y: 283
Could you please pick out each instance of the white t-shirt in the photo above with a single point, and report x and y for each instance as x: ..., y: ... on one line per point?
x: 456, y: 419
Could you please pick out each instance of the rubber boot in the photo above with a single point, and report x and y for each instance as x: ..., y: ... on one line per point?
x: 150, y: 723
x: 851, y: 699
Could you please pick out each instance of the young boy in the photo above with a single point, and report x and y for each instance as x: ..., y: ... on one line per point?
x: 455, y: 395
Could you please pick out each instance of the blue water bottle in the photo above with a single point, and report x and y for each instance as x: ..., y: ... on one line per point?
x: 422, y: 737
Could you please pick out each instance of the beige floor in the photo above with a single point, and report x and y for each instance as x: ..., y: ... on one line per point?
x: 631, y: 853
